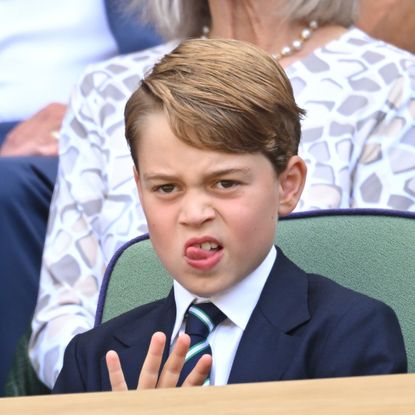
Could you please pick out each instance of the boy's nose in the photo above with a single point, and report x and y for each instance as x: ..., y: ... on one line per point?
x: 195, y: 211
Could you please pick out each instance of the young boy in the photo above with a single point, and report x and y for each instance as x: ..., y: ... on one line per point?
x: 214, y: 132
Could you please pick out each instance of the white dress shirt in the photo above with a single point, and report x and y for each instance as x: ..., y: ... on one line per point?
x: 237, y: 304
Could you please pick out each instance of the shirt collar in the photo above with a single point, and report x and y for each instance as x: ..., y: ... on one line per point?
x: 237, y: 303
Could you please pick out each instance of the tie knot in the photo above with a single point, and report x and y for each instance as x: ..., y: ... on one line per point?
x: 202, y: 319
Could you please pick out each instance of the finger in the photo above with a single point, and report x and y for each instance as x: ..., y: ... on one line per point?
x: 151, y: 366
x: 51, y: 148
x: 53, y: 112
x: 200, y: 372
x: 174, y: 364
x: 117, y: 380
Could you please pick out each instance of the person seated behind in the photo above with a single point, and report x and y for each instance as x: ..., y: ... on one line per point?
x: 214, y: 132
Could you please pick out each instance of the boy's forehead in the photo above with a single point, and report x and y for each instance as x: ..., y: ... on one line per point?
x: 194, y: 164
x: 155, y: 128
x: 161, y: 152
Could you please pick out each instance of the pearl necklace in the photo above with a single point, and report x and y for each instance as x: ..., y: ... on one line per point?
x: 287, y: 50
x: 297, y: 44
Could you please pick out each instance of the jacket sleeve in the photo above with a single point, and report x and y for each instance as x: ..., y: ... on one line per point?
x: 366, y: 340
x: 70, y: 379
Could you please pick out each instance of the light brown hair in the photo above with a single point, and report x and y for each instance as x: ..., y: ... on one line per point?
x: 221, y: 95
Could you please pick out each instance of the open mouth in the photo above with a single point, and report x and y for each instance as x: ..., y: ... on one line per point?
x: 202, y: 251
x: 203, y: 255
x: 209, y: 246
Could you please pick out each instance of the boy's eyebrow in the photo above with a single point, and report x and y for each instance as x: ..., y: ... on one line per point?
x: 150, y: 177
x: 222, y: 172
x: 234, y: 170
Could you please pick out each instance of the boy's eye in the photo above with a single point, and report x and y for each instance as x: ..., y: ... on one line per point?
x: 166, y: 188
x: 226, y: 184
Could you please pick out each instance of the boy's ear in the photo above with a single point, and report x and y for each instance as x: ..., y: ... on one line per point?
x: 291, y: 183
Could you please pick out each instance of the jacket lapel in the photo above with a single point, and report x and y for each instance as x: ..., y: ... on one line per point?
x: 266, y: 347
x: 135, y: 338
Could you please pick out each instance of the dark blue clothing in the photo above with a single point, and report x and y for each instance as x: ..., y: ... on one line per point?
x: 25, y: 192
x: 129, y: 34
x: 26, y: 188
x: 304, y: 326
x: 5, y: 127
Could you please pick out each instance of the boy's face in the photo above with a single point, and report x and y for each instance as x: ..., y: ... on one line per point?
x: 211, y: 215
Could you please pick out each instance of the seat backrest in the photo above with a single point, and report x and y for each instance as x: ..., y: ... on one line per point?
x: 22, y: 379
x: 370, y: 251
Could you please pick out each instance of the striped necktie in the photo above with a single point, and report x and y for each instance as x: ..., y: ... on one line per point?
x: 201, y: 321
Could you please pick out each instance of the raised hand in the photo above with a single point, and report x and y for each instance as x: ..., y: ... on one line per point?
x: 149, y: 376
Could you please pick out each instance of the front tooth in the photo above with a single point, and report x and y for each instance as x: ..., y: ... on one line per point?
x: 213, y: 245
x: 205, y: 246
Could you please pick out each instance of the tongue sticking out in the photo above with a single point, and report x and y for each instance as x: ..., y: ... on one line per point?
x: 193, y: 252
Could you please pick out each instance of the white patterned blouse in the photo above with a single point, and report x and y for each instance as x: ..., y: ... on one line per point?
x: 358, y: 143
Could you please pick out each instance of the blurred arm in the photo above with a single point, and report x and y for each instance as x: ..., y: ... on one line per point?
x: 389, y: 20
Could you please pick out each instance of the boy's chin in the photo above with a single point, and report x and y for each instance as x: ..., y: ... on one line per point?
x: 207, y: 290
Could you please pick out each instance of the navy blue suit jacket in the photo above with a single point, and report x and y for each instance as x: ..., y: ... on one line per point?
x: 304, y: 326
